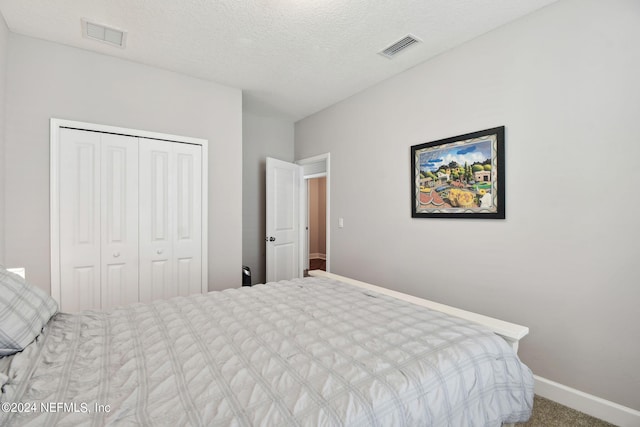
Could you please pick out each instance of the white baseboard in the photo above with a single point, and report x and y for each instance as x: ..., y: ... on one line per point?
x: 318, y: 256
x: 596, y: 407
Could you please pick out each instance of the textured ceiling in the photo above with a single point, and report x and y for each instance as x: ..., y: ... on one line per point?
x: 296, y: 56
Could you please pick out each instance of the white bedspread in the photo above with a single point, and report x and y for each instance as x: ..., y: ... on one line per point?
x: 310, y: 352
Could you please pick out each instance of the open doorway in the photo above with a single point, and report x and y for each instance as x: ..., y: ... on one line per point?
x: 316, y: 223
x: 315, y: 200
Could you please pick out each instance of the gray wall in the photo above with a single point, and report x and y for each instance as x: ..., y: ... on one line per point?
x: 4, y: 46
x: 564, y: 81
x: 264, y: 134
x: 51, y: 80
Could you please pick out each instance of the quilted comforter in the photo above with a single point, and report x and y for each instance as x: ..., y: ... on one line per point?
x: 308, y: 352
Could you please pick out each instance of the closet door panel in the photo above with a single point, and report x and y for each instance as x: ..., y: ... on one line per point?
x: 188, y: 243
x: 170, y: 219
x: 157, y: 190
x: 79, y: 201
x: 119, y: 182
x: 160, y: 278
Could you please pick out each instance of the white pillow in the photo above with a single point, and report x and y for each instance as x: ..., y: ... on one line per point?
x: 24, y: 310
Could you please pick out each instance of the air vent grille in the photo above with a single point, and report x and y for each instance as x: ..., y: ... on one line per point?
x: 399, y: 46
x: 102, y: 33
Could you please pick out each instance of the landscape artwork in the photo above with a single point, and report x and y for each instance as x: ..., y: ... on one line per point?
x: 459, y: 177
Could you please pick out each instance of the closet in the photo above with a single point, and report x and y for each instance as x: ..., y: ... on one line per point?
x: 129, y: 218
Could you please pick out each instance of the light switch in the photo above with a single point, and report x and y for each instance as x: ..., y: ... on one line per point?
x: 340, y: 222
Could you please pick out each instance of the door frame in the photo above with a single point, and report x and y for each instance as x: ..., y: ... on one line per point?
x: 304, y: 207
x: 54, y: 213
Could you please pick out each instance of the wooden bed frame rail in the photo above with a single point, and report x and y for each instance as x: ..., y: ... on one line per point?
x: 511, y: 332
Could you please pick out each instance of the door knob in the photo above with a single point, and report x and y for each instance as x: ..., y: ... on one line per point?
x: 159, y: 251
x: 270, y: 239
x: 116, y: 254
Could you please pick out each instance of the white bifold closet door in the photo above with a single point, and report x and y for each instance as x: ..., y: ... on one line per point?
x: 130, y: 219
x: 99, y: 220
x: 170, y: 218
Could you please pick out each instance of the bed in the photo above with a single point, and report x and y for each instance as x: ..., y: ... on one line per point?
x: 319, y: 351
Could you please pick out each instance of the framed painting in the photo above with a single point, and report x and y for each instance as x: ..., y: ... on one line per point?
x: 459, y: 177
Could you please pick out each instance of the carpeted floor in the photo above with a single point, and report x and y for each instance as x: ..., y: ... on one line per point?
x: 547, y: 413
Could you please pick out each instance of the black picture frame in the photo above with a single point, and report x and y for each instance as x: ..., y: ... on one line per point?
x: 443, y: 187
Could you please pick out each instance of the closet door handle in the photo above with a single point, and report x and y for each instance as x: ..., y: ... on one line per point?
x: 159, y: 251
x: 116, y: 254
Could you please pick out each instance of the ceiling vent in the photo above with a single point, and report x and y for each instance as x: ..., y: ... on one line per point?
x: 102, y: 33
x: 399, y: 46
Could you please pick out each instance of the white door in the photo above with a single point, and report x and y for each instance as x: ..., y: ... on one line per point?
x: 283, y: 218
x: 187, y: 246
x: 170, y: 219
x: 119, y: 200
x: 98, y: 220
x: 79, y: 220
